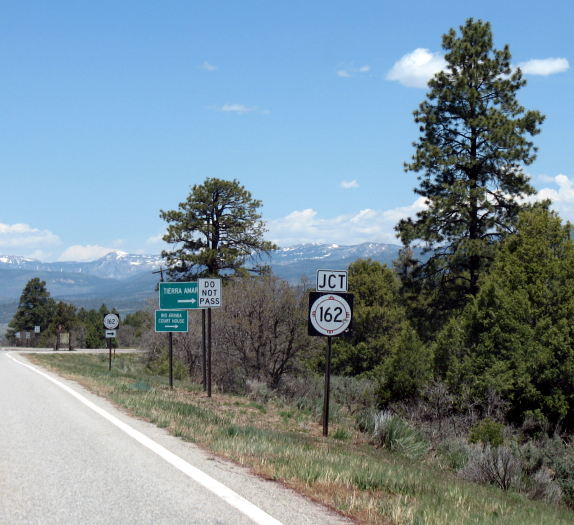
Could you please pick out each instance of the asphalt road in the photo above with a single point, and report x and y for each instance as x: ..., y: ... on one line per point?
x: 68, y: 461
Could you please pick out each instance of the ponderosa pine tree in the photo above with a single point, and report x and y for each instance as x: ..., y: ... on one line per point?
x: 36, y: 308
x: 470, y: 159
x: 215, y: 230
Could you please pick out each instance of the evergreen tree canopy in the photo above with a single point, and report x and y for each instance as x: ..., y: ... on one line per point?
x: 377, y: 318
x: 516, y: 336
x: 470, y: 158
x: 36, y: 308
x: 214, y: 230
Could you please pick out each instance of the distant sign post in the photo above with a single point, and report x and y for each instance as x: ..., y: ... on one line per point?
x: 111, y: 322
x: 178, y: 296
x: 171, y: 321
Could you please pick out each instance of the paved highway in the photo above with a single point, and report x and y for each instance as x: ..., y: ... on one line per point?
x: 67, y: 457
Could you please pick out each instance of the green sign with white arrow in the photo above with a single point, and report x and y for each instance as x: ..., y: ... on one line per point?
x: 178, y: 296
x: 170, y: 321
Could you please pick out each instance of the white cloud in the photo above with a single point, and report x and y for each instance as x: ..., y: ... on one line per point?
x: 343, y: 73
x: 415, y: 69
x: 544, y: 66
x: 24, y: 236
x: 206, y: 66
x: 349, y: 72
x: 155, y: 239
x: 236, y: 108
x: 240, y: 109
x: 561, y: 195
x: 88, y: 252
x: 305, y: 226
x: 348, y: 184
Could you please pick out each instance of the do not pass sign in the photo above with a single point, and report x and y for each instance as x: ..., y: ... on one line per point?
x: 209, y: 293
x: 330, y: 314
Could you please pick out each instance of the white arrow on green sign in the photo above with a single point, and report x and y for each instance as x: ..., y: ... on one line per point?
x: 170, y: 321
x: 178, y: 296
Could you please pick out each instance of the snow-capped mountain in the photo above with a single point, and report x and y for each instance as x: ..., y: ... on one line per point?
x: 126, y: 281
x: 114, y: 265
x: 305, y: 259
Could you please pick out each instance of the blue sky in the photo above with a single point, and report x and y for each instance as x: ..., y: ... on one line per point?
x: 112, y: 110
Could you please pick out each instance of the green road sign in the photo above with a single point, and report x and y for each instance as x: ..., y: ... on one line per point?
x: 178, y: 296
x: 170, y: 321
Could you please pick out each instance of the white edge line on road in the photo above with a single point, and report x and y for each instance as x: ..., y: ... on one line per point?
x: 219, y: 489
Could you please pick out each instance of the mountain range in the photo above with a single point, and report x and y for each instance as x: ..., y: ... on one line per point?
x: 126, y: 282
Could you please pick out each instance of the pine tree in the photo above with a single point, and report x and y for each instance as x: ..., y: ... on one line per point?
x: 36, y: 308
x: 378, y: 319
x: 518, y: 330
x: 470, y: 158
x: 215, y: 230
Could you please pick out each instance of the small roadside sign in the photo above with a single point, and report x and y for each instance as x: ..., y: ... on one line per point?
x: 178, y: 296
x: 209, y: 293
x: 111, y: 321
x: 110, y: 334
x: 332, y: 281
x: 171, y: 321
x: 36, y: 329
x: 330, y: 314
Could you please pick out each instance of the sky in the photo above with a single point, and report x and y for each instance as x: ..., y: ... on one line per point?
x: 111, y: 111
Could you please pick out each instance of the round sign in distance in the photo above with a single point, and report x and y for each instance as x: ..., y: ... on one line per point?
x: 330, y: 315
x: 111, y: 321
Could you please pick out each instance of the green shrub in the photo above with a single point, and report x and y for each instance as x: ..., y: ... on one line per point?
x: 160, y: 367
x: 341, y: 434
x: 397, y: 435
x: 365, y: 420
x: 487, y: 432
x: 455, y: 453
x: 354, y: 393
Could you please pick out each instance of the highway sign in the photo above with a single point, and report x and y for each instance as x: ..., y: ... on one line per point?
x: 331, y: 280
x: 330, y: 314
x: 110, y: 334
x: 209, y: 293
x: 111, y: 321
x: 171, y: 321
x: 178, y: 296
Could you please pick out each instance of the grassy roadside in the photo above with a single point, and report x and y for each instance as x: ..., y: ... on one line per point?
x: 283, y: 443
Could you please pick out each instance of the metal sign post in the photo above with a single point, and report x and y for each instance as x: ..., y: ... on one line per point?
x: 171, y: 360
x: 111, y: 322
x: 209, y: 296
x: 203, y: 352
x: 330, y: 315
x: 327, y: 391
x: 171, y: 321
x: 209, y: 352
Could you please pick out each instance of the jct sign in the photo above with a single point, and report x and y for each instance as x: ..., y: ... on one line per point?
x: 209, y: 293
x: 331, y: 281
